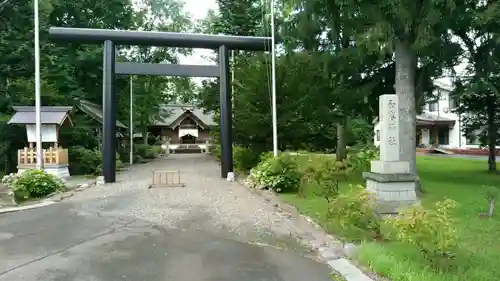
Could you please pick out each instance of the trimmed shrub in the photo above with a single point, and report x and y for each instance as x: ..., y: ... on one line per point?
x: 280, y: 174
x: 244, y: 159
x: 351, y: 214
x: 431, y: 230
x: 360, y: 161
x: 83, y: 161
x: 327, y: 176
x: 147, y: 151
x: 32, y: 184
x: 491, y: 193
x: 321, y: 174
x: 119, y: 164
x: 265, y: 156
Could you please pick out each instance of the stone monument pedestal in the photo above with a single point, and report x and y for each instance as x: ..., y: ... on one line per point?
x: 392, y: 184
x: 390, y: 179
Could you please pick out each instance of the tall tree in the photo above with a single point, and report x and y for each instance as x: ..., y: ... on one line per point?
x: 151, y: 92
x: 408, y: 30
x: 59, y: 81
x: 69, y: 71
x: 327, y: 30
x: 477, y: 28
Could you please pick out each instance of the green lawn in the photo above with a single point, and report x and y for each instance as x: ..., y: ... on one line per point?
x: 479, y: 238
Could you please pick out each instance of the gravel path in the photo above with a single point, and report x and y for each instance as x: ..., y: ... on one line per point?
x: 207, y: 202
x: 208, y: 228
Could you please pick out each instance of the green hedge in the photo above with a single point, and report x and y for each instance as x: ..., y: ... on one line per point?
x: 83, y: 161
x: 244, y: 159
x: 147, y: 151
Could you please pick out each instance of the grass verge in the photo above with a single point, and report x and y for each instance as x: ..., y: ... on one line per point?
x: 462, y: 180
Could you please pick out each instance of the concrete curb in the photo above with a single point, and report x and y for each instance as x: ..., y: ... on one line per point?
x: 336, y: 261
x: 348, y: 270
x: 34, y: 206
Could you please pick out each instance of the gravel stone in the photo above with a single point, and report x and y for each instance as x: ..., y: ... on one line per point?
x: 209, y: 203
x: 206, y: 202
x: 229, y: 205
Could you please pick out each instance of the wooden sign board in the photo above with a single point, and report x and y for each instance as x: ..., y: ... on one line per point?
x: 166, y: 178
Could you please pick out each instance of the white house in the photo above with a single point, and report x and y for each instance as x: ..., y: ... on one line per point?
x: 438, y: 125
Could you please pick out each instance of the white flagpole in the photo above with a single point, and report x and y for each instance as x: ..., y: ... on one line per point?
x: 38, y: 113
x: 232, y: 73
x: 131, y: 121
x: 273, y: 66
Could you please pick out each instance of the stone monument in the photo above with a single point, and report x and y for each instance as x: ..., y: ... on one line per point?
x: 390, y: 179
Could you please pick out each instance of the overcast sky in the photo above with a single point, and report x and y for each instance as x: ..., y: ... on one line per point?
x: 198, y: 9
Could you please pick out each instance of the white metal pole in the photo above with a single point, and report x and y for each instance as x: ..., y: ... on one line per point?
x: 232, y: 74
x: 273, y: 66
x: 38, y: 113
x: 131, y: 121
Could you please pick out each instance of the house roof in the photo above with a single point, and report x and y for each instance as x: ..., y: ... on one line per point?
x: 427, y: 119
x: 171, y: 113
x: 431, y: 119
x: 53, y: 115
x: 443, y: 85
x: 95, y: 112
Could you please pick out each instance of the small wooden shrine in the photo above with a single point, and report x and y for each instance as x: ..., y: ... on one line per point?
x: 55, y: 158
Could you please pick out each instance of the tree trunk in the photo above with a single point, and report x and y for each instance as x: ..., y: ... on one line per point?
x: 341, y: 139
x: 492, y: 207
x: 145, y: 135
x: 492, y: 135
x: 406, y: 65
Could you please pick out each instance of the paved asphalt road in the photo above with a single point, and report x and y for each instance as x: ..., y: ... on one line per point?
x: 76, y: 241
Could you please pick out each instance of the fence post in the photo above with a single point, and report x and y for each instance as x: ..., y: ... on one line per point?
x: 57, y: 155
x: 45, y: 155
x: 27, y: 156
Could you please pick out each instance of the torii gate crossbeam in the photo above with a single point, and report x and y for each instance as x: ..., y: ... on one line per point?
x: 110, y: 38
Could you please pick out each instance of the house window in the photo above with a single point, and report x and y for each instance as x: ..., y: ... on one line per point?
x: 443, y: 136
x: 433, y: 106
x: 474, y: 138
x: 378, y: 135
x: 451, y: 103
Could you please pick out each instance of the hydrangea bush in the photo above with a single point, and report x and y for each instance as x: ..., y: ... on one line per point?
x: 32, y: 184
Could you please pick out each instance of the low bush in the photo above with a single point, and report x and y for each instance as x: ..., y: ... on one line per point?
x: 83, y: 161
x: 360, y: 161
x: 146, y: 151
x: 215, y: 151
x: 118, y: 164
x: 431, y: 230
x: 351, y: 215
x: 244, y: 159
x: 32, y: 184
x: 325, y: 174
x: 278, y: 173
x: 265, y: 156
x: 491, y: 193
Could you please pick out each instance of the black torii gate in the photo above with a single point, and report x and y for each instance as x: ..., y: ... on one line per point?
x: 222, y: 43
